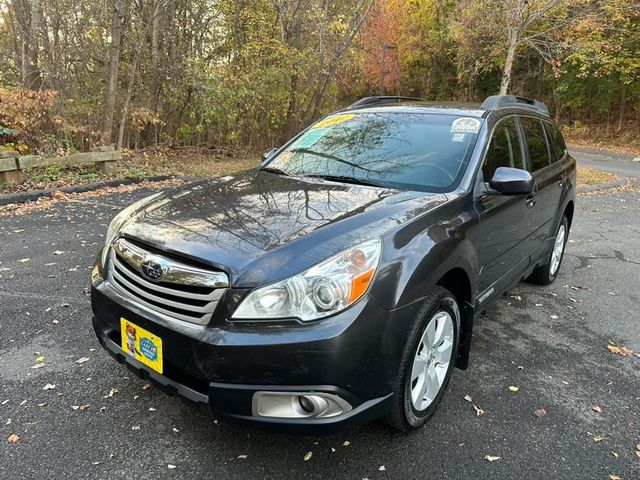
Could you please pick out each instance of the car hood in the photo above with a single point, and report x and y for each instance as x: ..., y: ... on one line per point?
x: 261, y: 227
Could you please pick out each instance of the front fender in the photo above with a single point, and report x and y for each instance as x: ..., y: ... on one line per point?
x: 417, y: 255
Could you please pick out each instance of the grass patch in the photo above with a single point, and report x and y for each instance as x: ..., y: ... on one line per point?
x: 193, y: 162
x: 591, y: 176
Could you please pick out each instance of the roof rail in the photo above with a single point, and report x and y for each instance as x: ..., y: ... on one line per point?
x: 503, y: 101
x: 370, y: 101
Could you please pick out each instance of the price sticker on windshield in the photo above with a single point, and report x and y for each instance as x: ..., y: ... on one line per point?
x: 327, y: 122
x: 465, y: 125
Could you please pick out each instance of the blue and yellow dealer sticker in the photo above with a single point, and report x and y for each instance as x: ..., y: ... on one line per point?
x: 144, y: 346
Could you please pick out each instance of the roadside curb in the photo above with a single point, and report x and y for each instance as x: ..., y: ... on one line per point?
x: 22, y: 197
x: 603, y: 186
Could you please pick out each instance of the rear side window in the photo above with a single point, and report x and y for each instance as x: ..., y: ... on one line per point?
x: 536, y: 143
x: 504, y: 149
x: 556, y: 141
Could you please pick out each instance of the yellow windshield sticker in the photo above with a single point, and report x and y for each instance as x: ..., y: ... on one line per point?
x: 327, y: 122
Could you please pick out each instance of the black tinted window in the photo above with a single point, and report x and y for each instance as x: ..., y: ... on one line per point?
x: 504, y: 149
x: 536, y: 143
x: 556, y: 141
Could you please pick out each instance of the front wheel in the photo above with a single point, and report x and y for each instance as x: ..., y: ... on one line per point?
x: 427, y: 362
x: 546, y: 274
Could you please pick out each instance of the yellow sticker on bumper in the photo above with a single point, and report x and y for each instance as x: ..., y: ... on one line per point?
x: 141, y: 344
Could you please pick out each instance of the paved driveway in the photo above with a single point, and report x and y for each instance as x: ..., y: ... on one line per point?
x: 100, y: 422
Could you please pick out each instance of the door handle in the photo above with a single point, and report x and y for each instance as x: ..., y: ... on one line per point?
x: 561, y: 182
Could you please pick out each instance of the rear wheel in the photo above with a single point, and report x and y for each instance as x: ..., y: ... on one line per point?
x: 427, y: 362
x: 546, y: 274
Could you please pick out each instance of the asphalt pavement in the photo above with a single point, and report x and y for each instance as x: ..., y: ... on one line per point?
x: 550, y: 342
x: 623, y: 164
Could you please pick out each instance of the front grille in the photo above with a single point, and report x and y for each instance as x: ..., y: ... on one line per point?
x: 181, y: 291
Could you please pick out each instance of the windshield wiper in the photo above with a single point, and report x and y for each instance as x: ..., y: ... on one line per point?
x: 345, y: 179
x: 275, y: 170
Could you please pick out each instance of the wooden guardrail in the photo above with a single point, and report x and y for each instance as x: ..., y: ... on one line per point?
x: 12, y: 164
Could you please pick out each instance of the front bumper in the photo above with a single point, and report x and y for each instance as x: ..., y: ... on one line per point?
x: 219, y: 367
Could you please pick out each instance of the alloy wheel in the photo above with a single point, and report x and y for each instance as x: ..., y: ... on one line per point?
x: 431, y: 360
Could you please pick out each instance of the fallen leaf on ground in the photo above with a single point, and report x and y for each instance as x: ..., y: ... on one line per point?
x: 49, y: 386
x: 540, y: 413
x: 468, y: 398
x: 598, y: 438
x: 308, y: 456
x: 40, y: 359
x: 242, y: 457
x: 614, y: 477
x: 112, y: 392
x: 491, y: 458
x: 82, y: 360
x: 596, y: 409
x: 622, y: 351
x: 146, y: 385
x: 13, y: 438
x: 38, y: 365
x: 553, y: 317
x: 346, y: 443
x: 615, y: 454
x: 135, y: 427
x: 24, y: 260
x: 382, y: 468
x: 58, y: 252
x: 513, y: 388
x: 479, y: 411
x: 516, y: 297
x: 170, y: 466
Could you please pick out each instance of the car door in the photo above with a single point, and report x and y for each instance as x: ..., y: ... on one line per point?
x: 505, y: 220
x: 548, y: 174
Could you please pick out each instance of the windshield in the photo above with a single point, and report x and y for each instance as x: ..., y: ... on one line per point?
x: 414, y: 151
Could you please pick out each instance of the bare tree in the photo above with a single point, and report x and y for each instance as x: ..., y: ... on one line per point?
x: 112, y: 75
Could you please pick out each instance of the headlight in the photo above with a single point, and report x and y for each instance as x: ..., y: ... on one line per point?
x: 119, y: 220
x: 325, y: 289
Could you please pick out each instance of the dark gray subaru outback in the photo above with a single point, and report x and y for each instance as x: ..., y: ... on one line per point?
x: 339, y: 281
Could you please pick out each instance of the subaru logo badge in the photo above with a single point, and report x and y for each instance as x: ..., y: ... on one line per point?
x: 151, y: 269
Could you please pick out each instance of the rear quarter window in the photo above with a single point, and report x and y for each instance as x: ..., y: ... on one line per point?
x: 558, y: 147
x: 536, y: 143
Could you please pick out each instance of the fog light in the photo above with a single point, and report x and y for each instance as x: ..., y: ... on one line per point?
x: 298, y: 405
x: 306, y: 404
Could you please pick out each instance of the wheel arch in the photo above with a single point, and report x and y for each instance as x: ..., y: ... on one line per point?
x: 568, y: 211
x: 457, y: 281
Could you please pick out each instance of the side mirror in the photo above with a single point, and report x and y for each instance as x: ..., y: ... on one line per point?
x: 269, y: 153
x: 512, y: 181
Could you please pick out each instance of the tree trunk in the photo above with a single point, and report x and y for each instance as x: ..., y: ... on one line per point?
x: 32, y: 78
x: 508, y: 66
x: 112, y: 76
x: 621, y: 113
x: 327, y: 76
x: 156, y: 81
x: 130, y: 88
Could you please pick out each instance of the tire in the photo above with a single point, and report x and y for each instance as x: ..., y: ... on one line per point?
x: 547, y: 273
x: 404, y: 414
